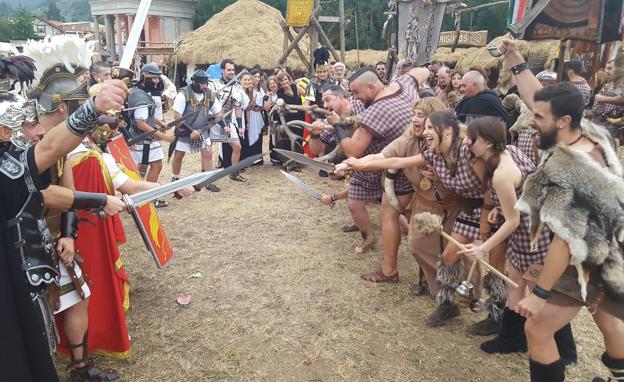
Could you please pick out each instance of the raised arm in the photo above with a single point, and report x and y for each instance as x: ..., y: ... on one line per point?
x: 375, y: 163
x: 66, y: 136
x: 526, y: 81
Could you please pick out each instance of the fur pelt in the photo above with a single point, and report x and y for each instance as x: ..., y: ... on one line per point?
x: 449, y: 277
x: 583, y: 203
x: 494, y: 303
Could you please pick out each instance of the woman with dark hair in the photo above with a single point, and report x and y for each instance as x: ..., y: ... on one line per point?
x: 452, y: 94
x: 506, y: 168
x: 256, y: 121
x: 287, y: 91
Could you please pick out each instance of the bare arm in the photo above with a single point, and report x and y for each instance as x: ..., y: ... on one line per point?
x: 420, y: 74
x: 374, y: 163
x: 132, y: 186
x: 58, y: 198
x: 506, y: 193
x: 526, y: 81
x: 61, y: 140
x: 67, y: 180
x: 357, y: 144
x: 607, y: 99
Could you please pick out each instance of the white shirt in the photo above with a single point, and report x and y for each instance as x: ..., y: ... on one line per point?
x: 179, y: 104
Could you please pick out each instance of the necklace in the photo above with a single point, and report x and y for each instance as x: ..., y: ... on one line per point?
x: 576, y: 140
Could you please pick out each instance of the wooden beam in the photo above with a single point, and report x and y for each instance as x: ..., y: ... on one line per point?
x: 289, y: 37
x: 341, y: 19
x: 292, y: 45
x: 329, y: 19
x: 319, y: 29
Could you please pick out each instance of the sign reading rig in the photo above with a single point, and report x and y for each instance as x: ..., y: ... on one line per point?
x: 298, y: 12
x: 466, y: 38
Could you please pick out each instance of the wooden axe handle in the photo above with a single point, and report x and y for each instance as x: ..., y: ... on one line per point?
x: 485, y: 264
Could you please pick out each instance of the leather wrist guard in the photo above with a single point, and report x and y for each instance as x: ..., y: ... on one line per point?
x: 69, y: 224
x: 88, y: 200
x: 341, y: 133
x: 82, y: 121
x: 239, y: 123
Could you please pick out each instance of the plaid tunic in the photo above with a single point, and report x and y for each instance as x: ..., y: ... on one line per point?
x: 604, y: 110
x: 327, y: 136
x: 519, y: 251
x: 386, y: 119
x: 585, y: 90
x: 463, y: 182
x: 526, y: 143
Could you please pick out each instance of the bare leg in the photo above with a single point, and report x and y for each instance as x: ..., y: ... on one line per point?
x: 76, y: 322
x: 391, y: 233
x: 612, y: 329
x: 154, y: 171
x: 540, y: 331
x: 206, y: 159
x: 236, y: 152
x: 359, y: 214
x: 176, y: 163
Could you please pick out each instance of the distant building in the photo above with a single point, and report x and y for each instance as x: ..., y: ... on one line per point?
x: 167, y: 21
x: 44, y: 27
x: 81, y: 28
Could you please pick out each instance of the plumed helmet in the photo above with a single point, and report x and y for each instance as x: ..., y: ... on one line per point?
x: 150, y: 69
x: 199, y: 76
x: 61, y: 63
x: 321, y: 59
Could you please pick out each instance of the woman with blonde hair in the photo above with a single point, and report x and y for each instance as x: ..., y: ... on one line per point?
x: 409, y: 144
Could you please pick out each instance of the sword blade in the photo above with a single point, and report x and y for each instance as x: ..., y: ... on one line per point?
x: 218, y: 174
x: 141, y: 137
x: 303, y: 159
x: 302, y: 185
x: 147, y: 196
x: 135, y: 34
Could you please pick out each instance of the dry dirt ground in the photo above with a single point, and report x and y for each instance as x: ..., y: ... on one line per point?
x: 280, y: 299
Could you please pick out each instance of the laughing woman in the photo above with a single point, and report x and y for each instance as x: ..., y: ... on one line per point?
x: 506, y: 168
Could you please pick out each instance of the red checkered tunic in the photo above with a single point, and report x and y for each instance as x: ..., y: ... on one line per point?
x: 386, y: 119
x: 519, y: 251
x: 463, y: 182
x: 604, y: 110
x: 585, y: 90
x: 526, y: 143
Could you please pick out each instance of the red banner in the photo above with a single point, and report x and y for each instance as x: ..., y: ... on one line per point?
x: 145, y: 216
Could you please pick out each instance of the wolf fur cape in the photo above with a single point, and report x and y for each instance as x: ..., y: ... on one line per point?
x: 583, y: 203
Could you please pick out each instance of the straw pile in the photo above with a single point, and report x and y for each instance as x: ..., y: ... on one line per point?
x: 481, y: 58
x: 247, y: 32
x: 366, y: 57
x: 444, y: 54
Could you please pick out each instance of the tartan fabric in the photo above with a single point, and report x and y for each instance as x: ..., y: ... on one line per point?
x: 386, y: 119
x: 519, y: 251
x: 464, y: 181
x: 467, y: 224
x: 585, y: 90
x: 366, y: 192
x: 602, y: 110
x: 526, y: 143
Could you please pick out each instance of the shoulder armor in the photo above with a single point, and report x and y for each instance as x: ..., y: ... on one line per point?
x: 11, y: 167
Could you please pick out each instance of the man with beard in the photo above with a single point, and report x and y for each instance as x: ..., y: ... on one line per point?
x: 197, y: 104
x: 340, y: 72
x: 444, y: 77
x: 387, y: 115
x: 99, y: 71
x: 609, y: 102
x: 567, y: 194
x: 231, y: 97
x: 143, y: 118
x: 479, y: 101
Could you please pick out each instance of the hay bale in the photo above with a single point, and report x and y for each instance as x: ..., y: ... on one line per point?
x: 247, y: 32
x: 444, y: 54
x: 368, y: 57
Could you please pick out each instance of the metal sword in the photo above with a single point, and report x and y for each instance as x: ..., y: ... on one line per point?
x: 303, y: 159
x: 303, y: 186
x: 218, y: 174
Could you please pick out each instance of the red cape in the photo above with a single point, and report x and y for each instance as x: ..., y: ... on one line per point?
x: 98, y: 246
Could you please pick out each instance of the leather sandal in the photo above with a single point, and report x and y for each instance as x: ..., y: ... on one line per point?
x: 377, y: 276
x: 349, y: 228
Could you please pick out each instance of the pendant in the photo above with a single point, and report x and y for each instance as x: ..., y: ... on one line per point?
x: 425, y: 184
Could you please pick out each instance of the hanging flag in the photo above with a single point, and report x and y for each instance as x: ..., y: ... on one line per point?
x: 517, y: 9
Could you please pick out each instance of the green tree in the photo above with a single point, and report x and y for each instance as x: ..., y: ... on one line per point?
x: 53, y: 12
x: 5, y: 30
x: 21, y: 26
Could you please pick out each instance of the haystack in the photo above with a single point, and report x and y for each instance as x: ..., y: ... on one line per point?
x: 444, y: 54
x: 536, y: 51
x: 367, y: 57
x: 247, y: 32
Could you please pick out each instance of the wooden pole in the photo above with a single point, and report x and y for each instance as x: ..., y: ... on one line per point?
x: 286, y: 31
x: 294, y: 43
x: 341, y: 15
x: 289, y: 37
x: 313, y: 38
x: 357, y: 38
x: 320, y: 31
